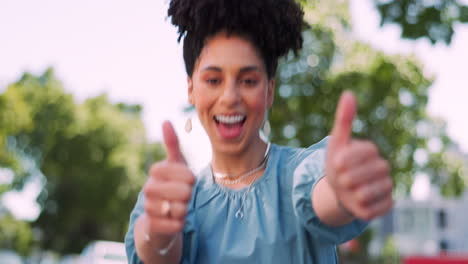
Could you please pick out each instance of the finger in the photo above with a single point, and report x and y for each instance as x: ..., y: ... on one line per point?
x: 164, y: 225
x: 376, y: 210
x: 178, y: 210
x: 163, y: 171
x: 172, y: 144
x: 344, y: 116
x: 154, y: 208
x: 364, y: 174
x: 382, y: 207
x: 371, y: 193
x: 357, y: 154
x: 173, y: 191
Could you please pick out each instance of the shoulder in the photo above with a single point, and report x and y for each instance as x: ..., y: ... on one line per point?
x: 290, y: 161
x: 293, y: 157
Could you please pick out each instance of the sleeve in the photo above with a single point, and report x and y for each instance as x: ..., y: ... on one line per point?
x: 129, y: 239
x: 309, y: 169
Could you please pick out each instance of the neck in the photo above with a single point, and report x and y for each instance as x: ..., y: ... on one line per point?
x: 238, y: 161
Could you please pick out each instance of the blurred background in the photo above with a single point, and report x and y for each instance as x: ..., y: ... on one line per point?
x: 85, y: 87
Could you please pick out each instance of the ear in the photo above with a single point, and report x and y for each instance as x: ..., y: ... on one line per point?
x: 271, y: 92
x: 190, y: 90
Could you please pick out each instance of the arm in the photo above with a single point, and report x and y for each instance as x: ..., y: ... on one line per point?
x: 158, y: 219
x: 357, y: 178
x: 327, y: 206
x: 315, y: 200
x: 148, y: 250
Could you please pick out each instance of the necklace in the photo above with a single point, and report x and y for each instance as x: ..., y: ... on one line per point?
x: 238, y: 178
x: 240, y: 212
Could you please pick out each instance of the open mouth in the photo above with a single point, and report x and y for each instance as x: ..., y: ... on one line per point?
x: 230, y: 126
x: 229, y: 119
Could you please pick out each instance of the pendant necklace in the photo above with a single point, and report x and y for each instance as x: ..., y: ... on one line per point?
x: 221, y: 177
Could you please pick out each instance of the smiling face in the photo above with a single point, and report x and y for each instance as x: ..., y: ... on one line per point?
x: 231, y: 92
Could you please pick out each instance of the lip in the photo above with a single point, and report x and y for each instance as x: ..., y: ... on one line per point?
x: 230, y: 114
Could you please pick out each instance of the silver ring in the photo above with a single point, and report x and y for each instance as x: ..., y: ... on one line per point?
x: 165, y: 208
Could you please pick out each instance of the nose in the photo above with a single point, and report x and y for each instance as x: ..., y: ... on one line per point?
x: 231, y: 94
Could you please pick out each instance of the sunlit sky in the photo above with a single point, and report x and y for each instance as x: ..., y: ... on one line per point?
x: 128, y: 50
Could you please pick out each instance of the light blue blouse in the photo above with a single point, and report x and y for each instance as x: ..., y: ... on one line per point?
x: 278, y: 225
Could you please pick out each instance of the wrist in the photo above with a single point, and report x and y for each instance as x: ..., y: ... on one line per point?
x: 161, y: 243
x: 163, y: 248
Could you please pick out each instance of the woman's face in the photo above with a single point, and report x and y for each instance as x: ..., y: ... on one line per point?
x: 230, y: 90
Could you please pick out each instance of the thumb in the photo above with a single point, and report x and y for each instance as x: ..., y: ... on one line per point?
x: 343, y: 124
x: 172, y: 144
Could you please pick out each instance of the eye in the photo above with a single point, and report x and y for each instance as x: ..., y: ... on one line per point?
x: 213, y: 81
x: 250, y: 82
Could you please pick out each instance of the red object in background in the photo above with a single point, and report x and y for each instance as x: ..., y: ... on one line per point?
x: 351, y: 246
x: 444, y: 259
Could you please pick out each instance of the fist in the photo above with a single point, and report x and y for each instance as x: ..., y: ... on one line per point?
x: 168, y: 188
x: 357, y: 173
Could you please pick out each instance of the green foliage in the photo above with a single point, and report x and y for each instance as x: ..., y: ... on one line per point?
x: 14, y: 117
x: 392, y: 98
x: 391, y: 92
x: 93, y: 157
x: 418, y: 18
x: 14, y: 234
x: 390, y: 253
x: 444, y: 160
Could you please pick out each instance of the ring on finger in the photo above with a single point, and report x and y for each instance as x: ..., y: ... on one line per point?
x: 165, y: 208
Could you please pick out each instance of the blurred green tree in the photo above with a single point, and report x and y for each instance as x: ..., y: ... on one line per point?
x: 14, y: 117
x: 392, y: 93
x: 93, y: 157
x: 434, y: 20
x: 15, y: 234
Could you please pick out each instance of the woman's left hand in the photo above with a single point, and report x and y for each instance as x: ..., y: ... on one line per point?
x: 357, y: 173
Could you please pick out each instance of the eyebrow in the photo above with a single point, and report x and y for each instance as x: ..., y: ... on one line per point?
x: 242, y: 70
x: 249, y: 69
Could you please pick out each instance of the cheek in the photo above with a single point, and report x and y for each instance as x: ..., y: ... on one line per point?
x: 258, y: 106
x: 258, y: 102
x: 202, y: 106
x: 203, y: 101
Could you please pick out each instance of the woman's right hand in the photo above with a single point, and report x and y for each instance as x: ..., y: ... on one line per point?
x: 168, y: 189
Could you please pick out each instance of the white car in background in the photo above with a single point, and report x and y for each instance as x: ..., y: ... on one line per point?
x: 70, y: 259
x: 9, y: 257
x: 104, y: 252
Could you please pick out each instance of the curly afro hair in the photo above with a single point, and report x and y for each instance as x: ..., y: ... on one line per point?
x: 273, y: 26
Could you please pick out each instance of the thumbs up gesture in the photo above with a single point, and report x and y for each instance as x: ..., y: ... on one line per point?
x: 358, y: 175
x: 168, y: 188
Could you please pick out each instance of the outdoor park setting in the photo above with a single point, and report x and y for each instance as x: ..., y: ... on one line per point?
x: 85, y: 87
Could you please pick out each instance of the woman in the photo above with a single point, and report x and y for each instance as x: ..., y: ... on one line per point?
x: 255, y: 202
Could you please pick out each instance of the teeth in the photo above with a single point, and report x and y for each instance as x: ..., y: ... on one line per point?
x: 229, y: 119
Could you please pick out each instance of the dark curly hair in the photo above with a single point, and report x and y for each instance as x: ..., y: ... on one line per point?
x: 273, y: 26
